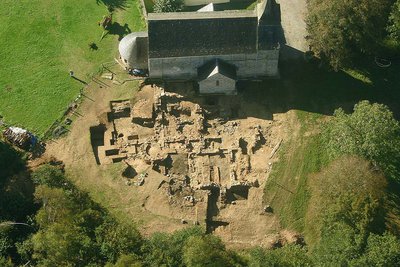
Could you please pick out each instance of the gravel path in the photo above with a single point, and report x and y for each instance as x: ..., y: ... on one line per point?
x: 292, y: 15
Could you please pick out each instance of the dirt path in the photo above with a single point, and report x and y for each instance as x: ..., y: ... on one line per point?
x: 293, y: 13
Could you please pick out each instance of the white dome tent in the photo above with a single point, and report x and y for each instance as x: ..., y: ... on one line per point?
x: 133, y: 50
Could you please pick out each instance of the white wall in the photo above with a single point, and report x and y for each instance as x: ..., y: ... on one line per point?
x: 225, y: 85
x: 203, y: 2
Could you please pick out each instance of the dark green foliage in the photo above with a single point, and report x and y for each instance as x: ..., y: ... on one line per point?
x: 115, y: 239
x: 161, y: 6
x: 291, y: 255
x: 5, y: 240
x: 15, y: 188
x: 370, y: 132
x: 49, y: 175
x: 130, y: 260
x: 347, y: 213
x: 342, y: 245
x: 16, y: 202
x: 394, y: 21
x: 10, y: 162
x: 5, y: 262
x: 74, y: 231
x: 63, y: 244
x: 207, y: 250
x: 340, y: 30
x: 381, y: 250
x: 348, y: 191
x: 339, y: 244
x: 166, y: 249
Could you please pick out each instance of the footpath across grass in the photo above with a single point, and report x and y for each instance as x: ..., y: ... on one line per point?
x: 41, y: 40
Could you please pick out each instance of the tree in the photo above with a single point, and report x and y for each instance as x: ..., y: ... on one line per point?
x: 339, y: 245
x: 5, y: 262
x: 348, y: 190
x: 130, y: 260
x: 161, y: 6
x: 370, y: 132
x: 63, y: 244
x: 167, y: 249
x: 49, y: 175
x: 394, y: 21
x: 381, y: 250
x: 57, y: 206
x: 347, y: 213
x: 206, y: 250
x: 116, y: 239
x: 340, y: 30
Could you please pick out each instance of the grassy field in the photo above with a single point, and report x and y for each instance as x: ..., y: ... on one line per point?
x: 41, y: 40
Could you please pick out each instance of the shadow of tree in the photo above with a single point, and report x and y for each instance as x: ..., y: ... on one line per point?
x: 118, y: 29
x: 114, y: 4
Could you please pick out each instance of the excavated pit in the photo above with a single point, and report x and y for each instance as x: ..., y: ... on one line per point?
x: 97, y: 139
x: 205, y: 158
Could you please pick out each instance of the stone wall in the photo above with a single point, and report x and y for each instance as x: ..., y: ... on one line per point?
x: 217, y: 84
x: 258, y: 65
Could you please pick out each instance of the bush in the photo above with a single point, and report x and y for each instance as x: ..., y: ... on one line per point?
x: 161, y: 6
x: 49, y: 175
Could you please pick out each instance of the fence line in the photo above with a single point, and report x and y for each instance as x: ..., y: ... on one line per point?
x: 51, y: 131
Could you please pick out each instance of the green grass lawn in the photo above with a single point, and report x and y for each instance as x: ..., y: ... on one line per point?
x: 40, y: 41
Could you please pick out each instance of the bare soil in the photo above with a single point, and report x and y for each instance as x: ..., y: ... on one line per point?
x: 164, y: 201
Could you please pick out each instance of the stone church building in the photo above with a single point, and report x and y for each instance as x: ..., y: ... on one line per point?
x: 214, y: 48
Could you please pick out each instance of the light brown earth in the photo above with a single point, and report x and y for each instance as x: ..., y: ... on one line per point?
x: 148, y: 206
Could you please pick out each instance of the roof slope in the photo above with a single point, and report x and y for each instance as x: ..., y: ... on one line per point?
x: 202, y: 33
x: 216, y: 66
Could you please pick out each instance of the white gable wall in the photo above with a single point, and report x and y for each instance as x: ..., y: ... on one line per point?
x: 203, y: 2
x: 217, y: 84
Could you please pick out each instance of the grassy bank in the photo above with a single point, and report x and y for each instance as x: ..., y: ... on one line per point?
x: 286, y: 189
x: 41, y: 41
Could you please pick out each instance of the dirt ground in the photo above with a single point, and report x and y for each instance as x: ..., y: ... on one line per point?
x: 240, y: 223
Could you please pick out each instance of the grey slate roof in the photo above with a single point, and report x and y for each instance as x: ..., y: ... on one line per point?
x: 202, y: 33
x: 216, y: 66
x: 270, y: 31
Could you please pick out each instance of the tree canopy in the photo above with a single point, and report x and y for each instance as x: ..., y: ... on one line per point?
x: 347, y: 216
x: 341, y: 30
x: 370, y: 132
x: 394, y: 21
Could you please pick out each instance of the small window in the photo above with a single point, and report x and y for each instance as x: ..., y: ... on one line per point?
x: 217, y: 83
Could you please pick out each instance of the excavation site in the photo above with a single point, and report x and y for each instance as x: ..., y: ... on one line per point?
x: 201, y: 160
